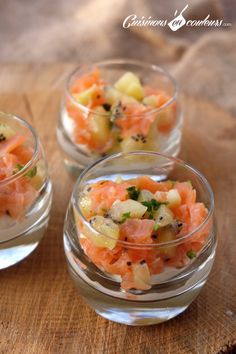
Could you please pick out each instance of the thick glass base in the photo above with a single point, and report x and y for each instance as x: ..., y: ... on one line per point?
x: 163, y: 302
x: 136, y: 313
x: 17, y: 246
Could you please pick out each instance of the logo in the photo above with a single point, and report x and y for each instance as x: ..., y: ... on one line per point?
x: 179, y: 21
x: 176, y: 23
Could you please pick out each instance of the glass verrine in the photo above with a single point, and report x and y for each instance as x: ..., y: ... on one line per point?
x: 25, y: 190
x: 140, y: 277
x: 118, y: 106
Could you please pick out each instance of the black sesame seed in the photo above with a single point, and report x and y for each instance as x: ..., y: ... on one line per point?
x: 2, y: 137
x: 106, y: 106
x: 128, y: 263
x: 161, y: 218
x: 180, y: 224
x: 154, y: 236
x: 143, y: 261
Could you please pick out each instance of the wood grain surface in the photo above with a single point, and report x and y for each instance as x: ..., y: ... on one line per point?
x: 41, y: 311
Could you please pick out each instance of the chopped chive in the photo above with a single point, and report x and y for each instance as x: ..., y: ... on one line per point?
x: 191, y: 254
x: 125, y: 216
x: 156, y: 227
x: 32, y: 173
x: 133, y: 192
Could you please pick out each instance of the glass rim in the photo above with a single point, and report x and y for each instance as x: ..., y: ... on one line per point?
x: 141, y: 64
x: 34, y: 157
x: 180, y: 240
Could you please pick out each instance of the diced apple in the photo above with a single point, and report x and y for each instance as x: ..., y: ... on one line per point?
x: 173, y: 198
x: 99, y: 124
x: 161, y: 196
x: 145, y: 195
x: 167, y: 234
x: 142, y: 278
x: 163, y: 216
x: 131, y: 207
x: 107, y: 233
x: 130, y: 85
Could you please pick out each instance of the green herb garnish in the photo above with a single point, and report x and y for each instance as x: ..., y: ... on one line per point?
x: 31, y: 173
x: 19, y: 166
x: 156, y: 227
x: 125, y: 216
x: 133, y: 192
x: 191, y: 254
x: 152, y: 205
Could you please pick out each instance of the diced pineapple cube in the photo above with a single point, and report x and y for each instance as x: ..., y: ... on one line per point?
x: 135, y: 90
x: 142, y: 278
x: 84, y: 97
x: 113, y: 96
x: 167, y: 234
x: 129, y: 207
x: 163, y: 216
x: 107, y: 233
x: 99, y: 124
x: 145, y: 195
x: 130, y: 85
x: 173, y: 198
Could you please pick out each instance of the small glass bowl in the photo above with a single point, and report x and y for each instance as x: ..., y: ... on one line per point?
x: 81, y: 146
x: 172, y: 290
x: 25, y: 192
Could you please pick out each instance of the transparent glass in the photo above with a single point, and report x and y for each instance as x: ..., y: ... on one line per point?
x: 156, y: 129
x: 173, y: 290
x: 25, y: 190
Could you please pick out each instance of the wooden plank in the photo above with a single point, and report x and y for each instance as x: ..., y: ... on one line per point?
x: 41, y: 311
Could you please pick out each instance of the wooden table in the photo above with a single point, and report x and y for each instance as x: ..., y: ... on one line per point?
x: 42, y: 312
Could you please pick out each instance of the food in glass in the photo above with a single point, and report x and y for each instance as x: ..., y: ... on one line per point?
x: 118, y: 106
x: 139, y: 236
x: 25, y: 190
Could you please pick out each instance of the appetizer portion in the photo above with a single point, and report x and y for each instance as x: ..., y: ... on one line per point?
x: 134, y: 228
x: 18, y: 194
x: 124, y: 116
